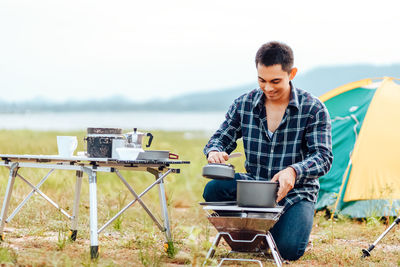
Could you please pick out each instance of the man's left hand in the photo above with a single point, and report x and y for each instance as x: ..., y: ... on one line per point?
x: 286, y: 179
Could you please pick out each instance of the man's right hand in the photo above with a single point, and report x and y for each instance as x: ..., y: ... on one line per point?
x: 217, y: 157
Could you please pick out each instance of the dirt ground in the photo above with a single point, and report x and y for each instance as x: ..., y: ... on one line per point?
x: 144, y: 247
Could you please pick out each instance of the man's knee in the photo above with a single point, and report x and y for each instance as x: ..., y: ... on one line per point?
x: 292, y: 239
x: 291, y: 252
x: 209, y: 193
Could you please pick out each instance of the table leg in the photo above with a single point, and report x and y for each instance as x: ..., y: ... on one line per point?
x: 75, y: 211
x: 139, y: 200
x: 7, y: 197
x: 136, y: 199
x: 94, y: 242
x: 29, y: 195
x: 169, y: 246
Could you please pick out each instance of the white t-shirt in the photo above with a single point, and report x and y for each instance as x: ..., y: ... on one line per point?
x: 270, y: 134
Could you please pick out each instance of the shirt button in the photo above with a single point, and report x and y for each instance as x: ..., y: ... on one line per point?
x: 272, y: 150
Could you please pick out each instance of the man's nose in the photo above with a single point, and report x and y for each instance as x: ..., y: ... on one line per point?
x: 268, y: 87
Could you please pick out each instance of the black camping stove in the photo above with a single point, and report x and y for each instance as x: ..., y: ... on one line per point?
x: 244, y: 229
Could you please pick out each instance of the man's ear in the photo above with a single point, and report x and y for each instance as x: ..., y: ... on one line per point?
x: 293, y: 73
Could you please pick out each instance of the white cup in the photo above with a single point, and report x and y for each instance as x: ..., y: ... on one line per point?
x: 66, y: 145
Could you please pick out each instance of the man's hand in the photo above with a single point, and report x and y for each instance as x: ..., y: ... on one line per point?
x: 217, y: 157
x: 286, y: 179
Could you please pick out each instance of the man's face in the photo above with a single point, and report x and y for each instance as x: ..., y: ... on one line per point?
x: 274, y: 81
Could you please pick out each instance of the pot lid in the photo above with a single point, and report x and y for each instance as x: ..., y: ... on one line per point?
x: 93, y: 130
x: 219, y: 171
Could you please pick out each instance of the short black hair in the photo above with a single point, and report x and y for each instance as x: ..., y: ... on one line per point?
x: 273, y: 53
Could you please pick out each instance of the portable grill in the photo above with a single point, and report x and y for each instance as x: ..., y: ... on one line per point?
x: 244, y: 229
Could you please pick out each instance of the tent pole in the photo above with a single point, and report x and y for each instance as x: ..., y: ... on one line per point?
x: 341, y: 189
x: 366, y: 252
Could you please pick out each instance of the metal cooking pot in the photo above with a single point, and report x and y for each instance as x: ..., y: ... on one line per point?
x: 255, y: 193
x: 219, y: 171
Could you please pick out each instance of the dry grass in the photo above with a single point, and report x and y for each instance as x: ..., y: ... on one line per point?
x: 38, y: 235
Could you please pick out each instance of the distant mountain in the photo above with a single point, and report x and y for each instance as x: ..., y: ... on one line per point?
x: 317, y: 81
x: 209, y: 101
x: 323, y: 79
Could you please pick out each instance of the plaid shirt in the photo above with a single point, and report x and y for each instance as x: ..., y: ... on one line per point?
x: 302, y: 141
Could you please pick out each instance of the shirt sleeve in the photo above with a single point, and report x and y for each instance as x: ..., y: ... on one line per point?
x: 319, y: 157
x: 224, y: 139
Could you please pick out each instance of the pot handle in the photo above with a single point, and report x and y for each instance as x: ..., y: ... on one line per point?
x: 150, y: 139
x: 173, y: 156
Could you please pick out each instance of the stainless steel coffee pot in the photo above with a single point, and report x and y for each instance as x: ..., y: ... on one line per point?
x: 135, y: 138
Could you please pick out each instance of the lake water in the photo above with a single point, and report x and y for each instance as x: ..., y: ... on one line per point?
x: 59, y: 121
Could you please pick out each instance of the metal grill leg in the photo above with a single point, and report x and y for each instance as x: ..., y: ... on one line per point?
x: 7, y: 197
x: 212, y: 249
x: 274, y: 249
x: 270, y: 241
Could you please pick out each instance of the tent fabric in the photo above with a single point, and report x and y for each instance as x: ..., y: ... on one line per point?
x: 363, y: 180
x: 345, y: 88
x: 375, y: 159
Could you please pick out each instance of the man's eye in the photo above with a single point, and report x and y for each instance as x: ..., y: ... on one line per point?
x: 261, y: 81
x: 276, y: 82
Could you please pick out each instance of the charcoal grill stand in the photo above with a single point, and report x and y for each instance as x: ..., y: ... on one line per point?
x: 267, y: 235
x: 268, y: 238
x: 90, y: 166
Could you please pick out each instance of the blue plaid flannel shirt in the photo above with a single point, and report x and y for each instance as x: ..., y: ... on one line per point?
x: 302, y: 140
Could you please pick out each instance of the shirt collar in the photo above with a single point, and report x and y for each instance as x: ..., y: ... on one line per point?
x: 259, y: 99
x: 294, y: 98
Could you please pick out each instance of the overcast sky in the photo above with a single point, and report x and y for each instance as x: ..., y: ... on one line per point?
x: 64, y: 49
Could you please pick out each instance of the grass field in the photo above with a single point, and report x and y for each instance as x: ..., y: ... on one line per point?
x: 38, y: 235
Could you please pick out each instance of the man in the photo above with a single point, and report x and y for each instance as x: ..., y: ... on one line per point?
x: 287, y: 138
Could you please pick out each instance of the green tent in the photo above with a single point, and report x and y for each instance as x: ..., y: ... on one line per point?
x: 364, y: 179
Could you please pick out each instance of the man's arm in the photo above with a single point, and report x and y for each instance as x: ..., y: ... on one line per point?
x: 224, y: 139
x: 319, y: 144
x: 319, y: 157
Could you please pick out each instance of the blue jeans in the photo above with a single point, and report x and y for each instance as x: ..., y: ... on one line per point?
x: 291, y: 232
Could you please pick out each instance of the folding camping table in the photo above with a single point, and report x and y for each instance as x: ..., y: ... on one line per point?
x: 159, y: 168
